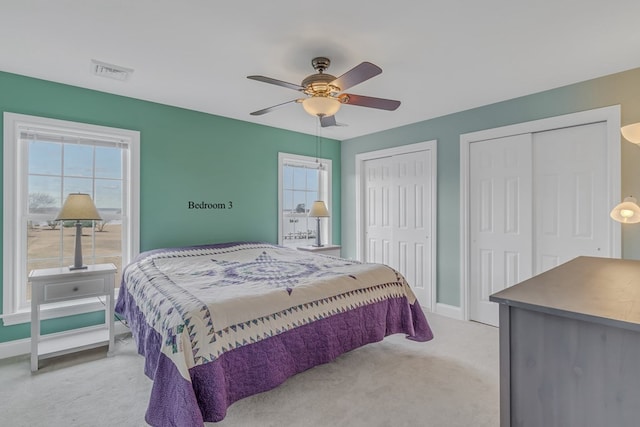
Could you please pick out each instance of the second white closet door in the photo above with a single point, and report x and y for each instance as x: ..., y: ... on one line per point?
x: 570, y: 187
x: 536, y: 201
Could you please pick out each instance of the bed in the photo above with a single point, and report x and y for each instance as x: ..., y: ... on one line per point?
x: 217, y: 323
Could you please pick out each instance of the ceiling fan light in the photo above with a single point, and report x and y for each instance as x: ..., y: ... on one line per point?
x: 321, y: 106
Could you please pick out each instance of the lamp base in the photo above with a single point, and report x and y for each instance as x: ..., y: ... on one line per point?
x: 77, y: 259
x: 318, y: 241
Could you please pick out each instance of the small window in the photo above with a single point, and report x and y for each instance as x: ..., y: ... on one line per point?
x: 302, y: 180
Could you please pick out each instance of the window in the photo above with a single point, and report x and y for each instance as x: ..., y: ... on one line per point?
x: 302, y: 180
x: 44, y: 161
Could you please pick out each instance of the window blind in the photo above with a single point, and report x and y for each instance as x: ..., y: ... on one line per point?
x: 47, y: 135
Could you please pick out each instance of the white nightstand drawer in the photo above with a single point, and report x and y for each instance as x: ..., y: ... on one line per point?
x: 77, y: 289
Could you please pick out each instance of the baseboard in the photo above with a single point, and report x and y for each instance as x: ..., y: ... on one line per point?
x: 15, y: 348
x: 449, y: 311
x: 23, y: 346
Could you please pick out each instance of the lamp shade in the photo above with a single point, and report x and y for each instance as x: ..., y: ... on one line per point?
x: 631, y: 133
x: 319, y: 209
x: 321, y: 106
x: 78, y: 206
x: 627, y: 212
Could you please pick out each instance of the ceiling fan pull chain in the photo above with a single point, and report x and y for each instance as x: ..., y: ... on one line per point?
x: 317, y: 142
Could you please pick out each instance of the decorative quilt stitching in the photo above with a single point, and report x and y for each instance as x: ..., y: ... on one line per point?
x: 174, y: 307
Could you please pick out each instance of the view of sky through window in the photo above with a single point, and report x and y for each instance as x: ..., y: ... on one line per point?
x: 57, y: 169
x: 300, y: 185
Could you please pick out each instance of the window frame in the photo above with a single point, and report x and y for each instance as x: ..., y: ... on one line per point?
x: 308, y: 161
x: 15, y: 168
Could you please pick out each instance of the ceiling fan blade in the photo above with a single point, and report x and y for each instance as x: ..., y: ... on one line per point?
x: 276, y: 82
x: 326, y: 121
x: 269, y: 109
x: 368, y: 101
x: 356, y: 75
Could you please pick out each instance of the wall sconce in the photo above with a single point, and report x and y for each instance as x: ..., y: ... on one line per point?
x: 626, y: 212
x: 631, y: 132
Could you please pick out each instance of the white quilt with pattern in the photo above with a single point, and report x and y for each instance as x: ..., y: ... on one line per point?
x: 205, y: 301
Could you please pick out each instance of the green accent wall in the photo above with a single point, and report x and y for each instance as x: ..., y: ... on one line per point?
x: 184, y: 156
x: 621, y: 88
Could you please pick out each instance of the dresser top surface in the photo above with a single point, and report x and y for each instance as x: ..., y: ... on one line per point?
x: 599, y: 288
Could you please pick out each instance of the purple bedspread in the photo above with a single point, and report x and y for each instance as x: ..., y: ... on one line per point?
x: 262, y: 365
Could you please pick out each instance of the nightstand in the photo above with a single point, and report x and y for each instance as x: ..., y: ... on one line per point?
x: 54, y: 285
x: 333, y: 250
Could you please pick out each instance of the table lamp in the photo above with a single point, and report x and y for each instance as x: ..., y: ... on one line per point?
x: 318, y: 210
x: 78, y: 207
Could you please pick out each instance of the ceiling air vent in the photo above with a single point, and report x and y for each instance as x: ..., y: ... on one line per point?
x: 111, y: 71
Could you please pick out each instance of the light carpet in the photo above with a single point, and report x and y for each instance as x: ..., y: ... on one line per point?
x: 451, y: 381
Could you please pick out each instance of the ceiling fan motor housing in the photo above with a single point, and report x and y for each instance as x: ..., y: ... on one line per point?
x: 319, y: 85
x: 320, y: 63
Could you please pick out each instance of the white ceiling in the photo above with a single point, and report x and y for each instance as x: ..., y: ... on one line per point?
x: 437, y: 57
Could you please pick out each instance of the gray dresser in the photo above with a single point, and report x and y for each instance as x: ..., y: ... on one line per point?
x: 570, y: 346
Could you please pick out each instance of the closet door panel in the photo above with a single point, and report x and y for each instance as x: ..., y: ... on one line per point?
x: 500, y: 220
x: 398, y: 217
x: 412, y: 231
x: 378, y: 215
x: 571, y: 208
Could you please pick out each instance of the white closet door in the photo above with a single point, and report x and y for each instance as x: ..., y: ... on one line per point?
x: 377, y: 212
x: 572, y: 210
x: 411, y: 198
x: 501, y: 216
x: 398, y: 217
x: 536, y: 201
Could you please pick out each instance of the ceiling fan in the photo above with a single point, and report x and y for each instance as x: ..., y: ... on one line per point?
x: 325, y: 93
